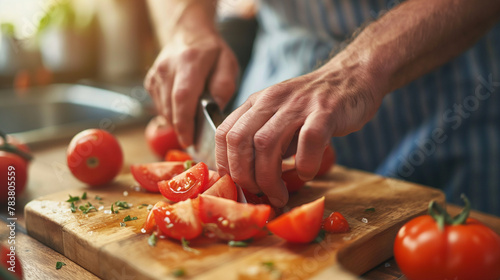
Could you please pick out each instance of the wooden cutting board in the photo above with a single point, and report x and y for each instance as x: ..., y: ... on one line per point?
x: 97, y: 242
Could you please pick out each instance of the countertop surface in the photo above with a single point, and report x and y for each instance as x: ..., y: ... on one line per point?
x: 48, y: 174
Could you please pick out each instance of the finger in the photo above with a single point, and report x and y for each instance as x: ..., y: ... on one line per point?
x: 271, y: 143
x: 314, y: 135
x: 188, y: 86
x: 222, y: 84
x: 221, y: 137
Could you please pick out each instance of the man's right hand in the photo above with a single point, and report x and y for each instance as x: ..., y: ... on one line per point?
x: 194, y: 57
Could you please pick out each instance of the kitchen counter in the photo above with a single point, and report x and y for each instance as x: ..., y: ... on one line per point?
x: 49, y: 174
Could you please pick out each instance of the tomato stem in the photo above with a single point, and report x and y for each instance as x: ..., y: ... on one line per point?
x: 442, y: 218
x: 12, y: 148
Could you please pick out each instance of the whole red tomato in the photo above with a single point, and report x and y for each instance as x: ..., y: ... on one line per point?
x: 14, y: 159
x: 10, y: 268
x: 161, y: 137
x: 458, y: 248
x: 94, y: 156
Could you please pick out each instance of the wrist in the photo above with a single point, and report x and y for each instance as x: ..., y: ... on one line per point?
x: 187, y: 20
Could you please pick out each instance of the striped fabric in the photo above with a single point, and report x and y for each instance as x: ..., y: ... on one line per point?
x: 441, y: 130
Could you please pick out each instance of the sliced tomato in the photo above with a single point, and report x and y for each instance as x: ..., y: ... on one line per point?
x: 329, y: 158
x: 213, y: 177
x: 177, y: 155
x: 186, y: 185
x: 301, y: 224
x: 290, y: 176
x: 179, y: 220
x: 224, y: 187
x: 335, y: 223
x: 230, y: 220
x: 149, y: 174
x: 150, y: 223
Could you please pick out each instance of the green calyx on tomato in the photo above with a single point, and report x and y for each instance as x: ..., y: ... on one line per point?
x: 442, y: 217
x: 7, y: 147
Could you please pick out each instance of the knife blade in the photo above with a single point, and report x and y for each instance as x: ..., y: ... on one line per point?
x: 208, y: 118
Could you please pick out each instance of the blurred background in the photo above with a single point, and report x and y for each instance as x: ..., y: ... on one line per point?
x: 70, y: 64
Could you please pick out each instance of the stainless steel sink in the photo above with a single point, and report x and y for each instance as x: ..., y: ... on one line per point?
x: 58, y: 111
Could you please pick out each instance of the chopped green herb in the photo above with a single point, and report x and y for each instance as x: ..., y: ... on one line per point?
x: 185, y: 246
x: 123, y: 224
x: 128, y: 218
x: 370, y: 210
x: 73, y: 198
x: 98, y: 197
x: 113, y: 210
x: 150, y: 207
x: 84, y: 195
x: 59, y: 265
x: 320, y: 236
x: 233, y: 243
x: 152, y: 240
x: 142, y: 205
x: 122, y: 205
x: 179, y: 272
x: 73, y: 207
x: 188, y: 164
x: 87, y: 207
x: 269, y: 265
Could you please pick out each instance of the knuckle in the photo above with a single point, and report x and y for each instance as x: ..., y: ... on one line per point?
x: 180, y: 95
x: 234, y: 139
x: 263, y: 142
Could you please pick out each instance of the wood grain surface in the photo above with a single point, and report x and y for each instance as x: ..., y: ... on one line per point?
x: 97, y: 242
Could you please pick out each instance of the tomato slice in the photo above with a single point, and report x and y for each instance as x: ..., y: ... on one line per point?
x: 335, y: 223
x: 329, y: 158
x: 224, y: 187
x: 150, y: 223
x: 179, y: 220
x: 213, y: 177
x: 290, y: 176
x: 231, y: 220
x: 149, y: 174
x: 186, y: 185
x: 301, y: 224
x: 177, y: 155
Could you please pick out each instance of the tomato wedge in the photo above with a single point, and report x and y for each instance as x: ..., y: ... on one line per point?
x: 177, y: 155
x: 230, y: 220
x: 224, y: 187
x: 328, y: 159
x: 150, y: 223
x: 186, y: 185
x: 335, y: 223
x: 213, y: 177
x: 301, y: 224
x: 290, y: 176
x: 179, y: 220
x: 149, y: 174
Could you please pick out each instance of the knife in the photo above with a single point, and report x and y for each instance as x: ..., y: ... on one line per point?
x: 208, y: 118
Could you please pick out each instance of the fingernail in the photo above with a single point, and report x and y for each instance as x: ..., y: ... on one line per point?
x: 277, y: 202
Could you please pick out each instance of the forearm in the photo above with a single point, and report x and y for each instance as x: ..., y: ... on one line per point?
x: 172, y: 16
x: 416, y: 37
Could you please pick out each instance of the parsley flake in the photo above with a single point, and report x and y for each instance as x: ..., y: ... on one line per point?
x: 142, y: 206
x: 179, y: 272
x: 84, y: 195
x: 128, y: 218
x: 370, y: 210
x: 185, y: 246
x: 73, y: 207
x: 59, y: 265
x: 73, y: 198
x: 152, y: 240
x: 87, y: 208
x: 233, y: 243
x: 98, y: 197
x: 123, y: 224
x: 122, y: 205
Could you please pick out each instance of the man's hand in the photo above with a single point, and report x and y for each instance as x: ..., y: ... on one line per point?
x: 250, y: 144
x: 194, y: 57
